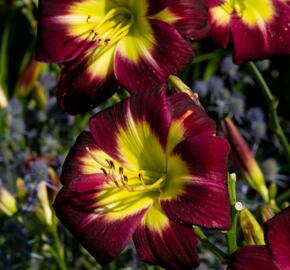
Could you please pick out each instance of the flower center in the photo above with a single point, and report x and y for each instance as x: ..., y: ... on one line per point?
x: 124, y: 178
x: 112, y: 27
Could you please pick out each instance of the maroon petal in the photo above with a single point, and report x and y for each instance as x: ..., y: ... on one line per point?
x: 82, y: 87
x: 220, y: 32
x: 193, y: 117
x: 172, y: 247
x: 252, y: 258
x: 149, y: 108
x: 192, y: 17
x: 54, y: 41
x: 272, y: 39
x: 75, y: 166
x: 103, y: 237
x: 168, y: 54
x: 278, y: 236
x: 157, y: 6
x: 204, y: 200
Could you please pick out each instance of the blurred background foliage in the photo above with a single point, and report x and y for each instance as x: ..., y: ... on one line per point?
x: 35, y: 136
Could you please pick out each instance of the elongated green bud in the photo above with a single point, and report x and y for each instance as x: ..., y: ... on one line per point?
x: 8, y: 203
x: 244, y: 159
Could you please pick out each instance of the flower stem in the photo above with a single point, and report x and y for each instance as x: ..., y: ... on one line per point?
x: 232, y: 233
x: 285, y: 196
x: 272, y: 103
x: 214, y: 249
x: 59, y: 249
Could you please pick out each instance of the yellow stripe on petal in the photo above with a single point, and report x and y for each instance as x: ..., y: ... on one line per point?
x: 140, y: 148
x: 177, y: 177
x: 101, y: 63
x: 118, y: 204
x: 253, y: 12
x: 221, y: 15
x: 139, y: 42
x: 155, y: 219
x: 177, y: 131
x: 175, y: 135
x: 166, y: 15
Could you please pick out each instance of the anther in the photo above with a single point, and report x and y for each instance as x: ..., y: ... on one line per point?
x: 111, y: 164
x: 121, y: 170
x: 124, y: 180
x: 142, y: 180
x: 95, y: 158
x: 104, y: 172
x: 88, y: 18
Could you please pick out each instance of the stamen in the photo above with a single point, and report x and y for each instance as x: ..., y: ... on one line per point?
x: 124, y: 180
x: 104, y: 172
x: 140, y: 176
x: 103, y: 164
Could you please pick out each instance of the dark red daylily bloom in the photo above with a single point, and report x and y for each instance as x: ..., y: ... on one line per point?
x: 149, y: 168
x: 136, y: 43
x: 273, y: 256
x: 258, y: 29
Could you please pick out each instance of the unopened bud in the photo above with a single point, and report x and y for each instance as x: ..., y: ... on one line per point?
x: 28, y: 77
x: 8, y: 203
x: 3, y: 99
x: 273, y: 191
x: 267, y: 213
x: 21, y: 189
x: 252, y: 231
x: 244, y: 159
x: 43, y: 198
x: 39, y: 94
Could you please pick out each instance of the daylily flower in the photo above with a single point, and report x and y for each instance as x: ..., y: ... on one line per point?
x: 258, y: 29
x: 149, y: 168
x: 273, y: 256
x: 136, y: 43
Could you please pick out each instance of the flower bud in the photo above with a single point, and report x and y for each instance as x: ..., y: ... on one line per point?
x: 43, y: 198
x: 21, y: 189
x: 252, y: 231
x: 7, y: 202
x: 267, y: 213
x: 3, y: 99
x: 28, y: 77
x: 39, y: 94
x: 244, y: 159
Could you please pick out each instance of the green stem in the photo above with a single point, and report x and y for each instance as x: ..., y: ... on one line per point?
x: 59, y: 249
x: 232, y: 233
x: 208, y: 56
x: 272, y: 103
x: 285, y: 196
x: 204, y: 240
